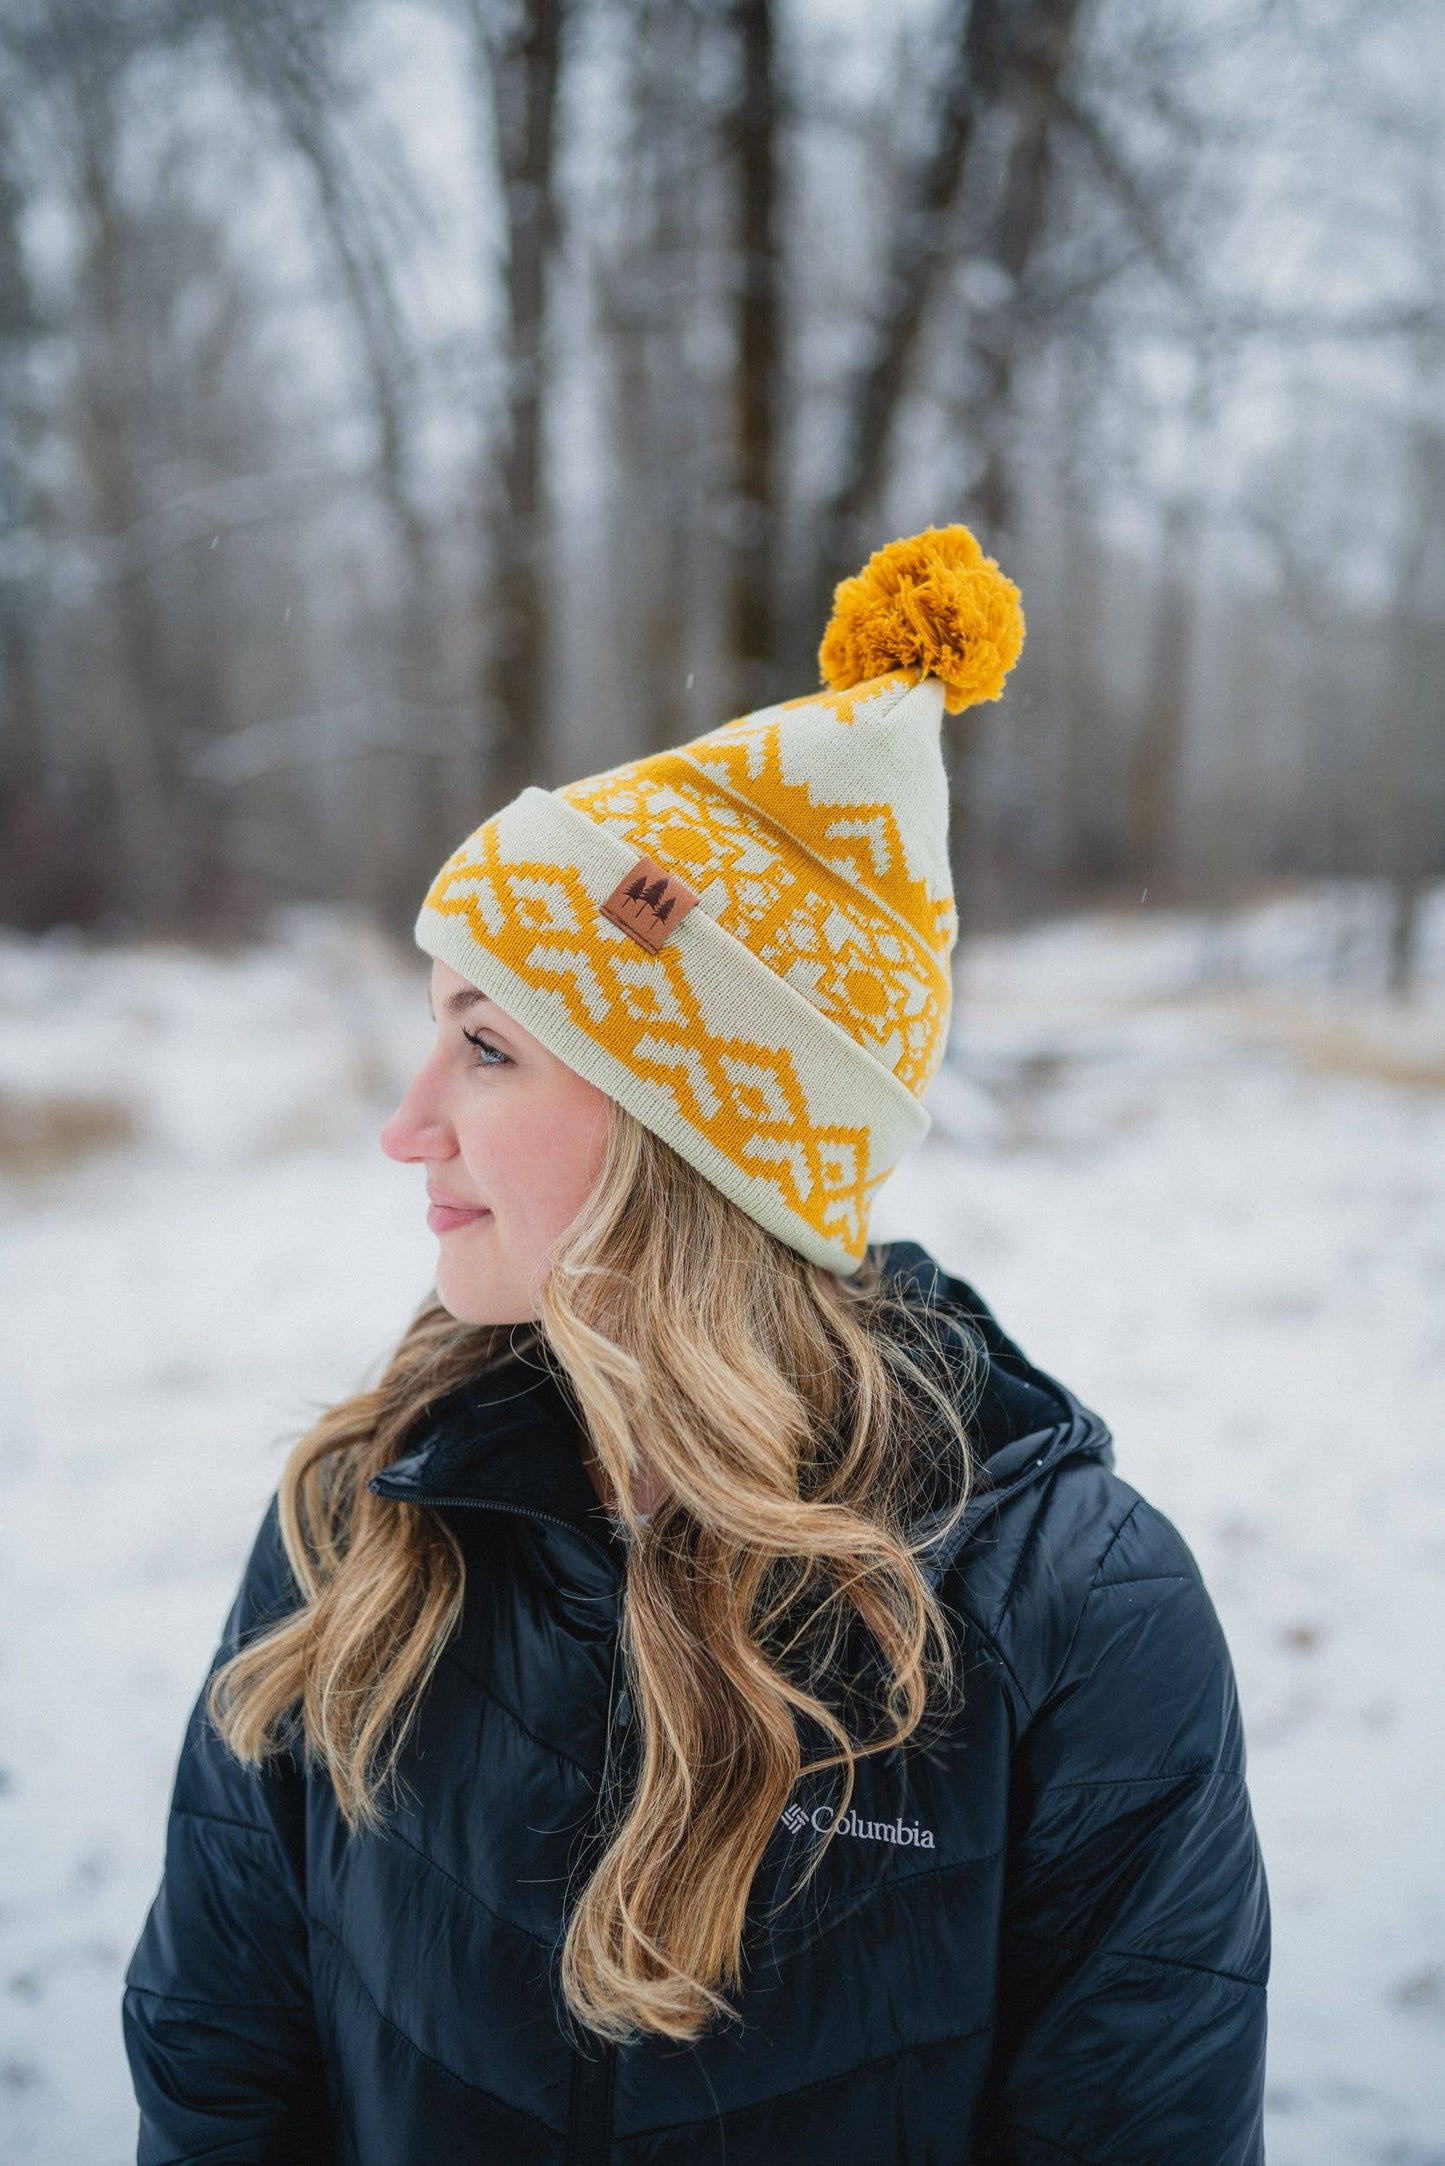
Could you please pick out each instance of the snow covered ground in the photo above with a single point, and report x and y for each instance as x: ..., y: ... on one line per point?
x: 1193, y: 1174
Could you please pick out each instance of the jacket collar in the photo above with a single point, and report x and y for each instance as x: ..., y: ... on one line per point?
x: 1024, y: 1422
x: 511, y: 1440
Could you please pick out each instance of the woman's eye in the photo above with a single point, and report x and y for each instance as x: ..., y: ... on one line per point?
x: 484, y: 1045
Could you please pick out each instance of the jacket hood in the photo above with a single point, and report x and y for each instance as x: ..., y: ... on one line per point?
x: 1024, y: 1423
x: 511, y: 1439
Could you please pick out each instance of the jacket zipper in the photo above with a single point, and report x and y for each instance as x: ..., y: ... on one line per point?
x: 589, y: 2109
x: 589, y: 2114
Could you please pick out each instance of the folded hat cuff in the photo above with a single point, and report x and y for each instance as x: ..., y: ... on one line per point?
x: 770, y: 1100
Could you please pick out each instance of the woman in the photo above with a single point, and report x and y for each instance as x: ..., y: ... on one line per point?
x: 713, y: 1699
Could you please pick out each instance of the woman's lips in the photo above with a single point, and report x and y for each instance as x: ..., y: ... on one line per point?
x: 448, y: 1217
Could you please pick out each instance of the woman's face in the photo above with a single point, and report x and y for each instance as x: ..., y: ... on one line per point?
x: 512, y: 1140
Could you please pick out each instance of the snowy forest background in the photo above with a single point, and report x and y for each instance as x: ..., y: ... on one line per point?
x: 402, y: 401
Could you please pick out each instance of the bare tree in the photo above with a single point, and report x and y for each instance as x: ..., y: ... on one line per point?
x: 1087, y: 824
x: 753, y: 515
x: 30, y: 869
x: 651, y: 276
x: 1412, y: 735
x: 1157, y: 754
x: 1409, y: 748
x: 139, y: 732
x: 518, y: 57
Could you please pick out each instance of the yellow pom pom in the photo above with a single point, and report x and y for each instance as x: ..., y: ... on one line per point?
x: 932, y: 603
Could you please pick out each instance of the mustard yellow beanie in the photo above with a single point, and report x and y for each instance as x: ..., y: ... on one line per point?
x: 746, y: 940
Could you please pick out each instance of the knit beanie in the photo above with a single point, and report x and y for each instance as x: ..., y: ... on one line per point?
x: 745, y: 941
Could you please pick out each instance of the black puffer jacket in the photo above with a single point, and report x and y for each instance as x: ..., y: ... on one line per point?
x: 1045, y: 1940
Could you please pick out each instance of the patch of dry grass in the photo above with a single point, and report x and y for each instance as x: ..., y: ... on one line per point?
x: 1377, y: 1044
x: 45, y: 1132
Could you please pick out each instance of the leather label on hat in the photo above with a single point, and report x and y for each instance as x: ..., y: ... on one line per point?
x: 649, y: 902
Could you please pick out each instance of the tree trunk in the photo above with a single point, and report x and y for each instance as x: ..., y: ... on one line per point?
x: 1088, y: 822
x: 1408, y: 708
x: 1018, y: 58
x: 1156, y: 767
x: 1022, y: 67
x: 753, y: 513
x: 1154, y: 770
x: 33, y: 873
x: 519, y: 63
x: 648, y: 294
x: 1407, y: 892
x: 137, y: 734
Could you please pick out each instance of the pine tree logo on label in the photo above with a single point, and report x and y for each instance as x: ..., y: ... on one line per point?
x: 649, y: 902
x: 899, y: 1832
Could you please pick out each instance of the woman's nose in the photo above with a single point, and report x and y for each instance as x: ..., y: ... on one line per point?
x: 417, y: 1130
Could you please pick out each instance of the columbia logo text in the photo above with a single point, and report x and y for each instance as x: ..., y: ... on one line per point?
x: 899, y: 1832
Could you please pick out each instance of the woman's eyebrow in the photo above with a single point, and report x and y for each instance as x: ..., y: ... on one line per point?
x: 457, y: 1003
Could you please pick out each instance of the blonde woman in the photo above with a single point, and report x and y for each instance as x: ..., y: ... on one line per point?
x: 713, y: 1699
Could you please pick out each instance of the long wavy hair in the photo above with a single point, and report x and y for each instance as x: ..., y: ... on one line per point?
x: 797, y: 1424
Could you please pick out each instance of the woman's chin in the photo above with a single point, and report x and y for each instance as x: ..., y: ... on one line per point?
x: 471, y: 1303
